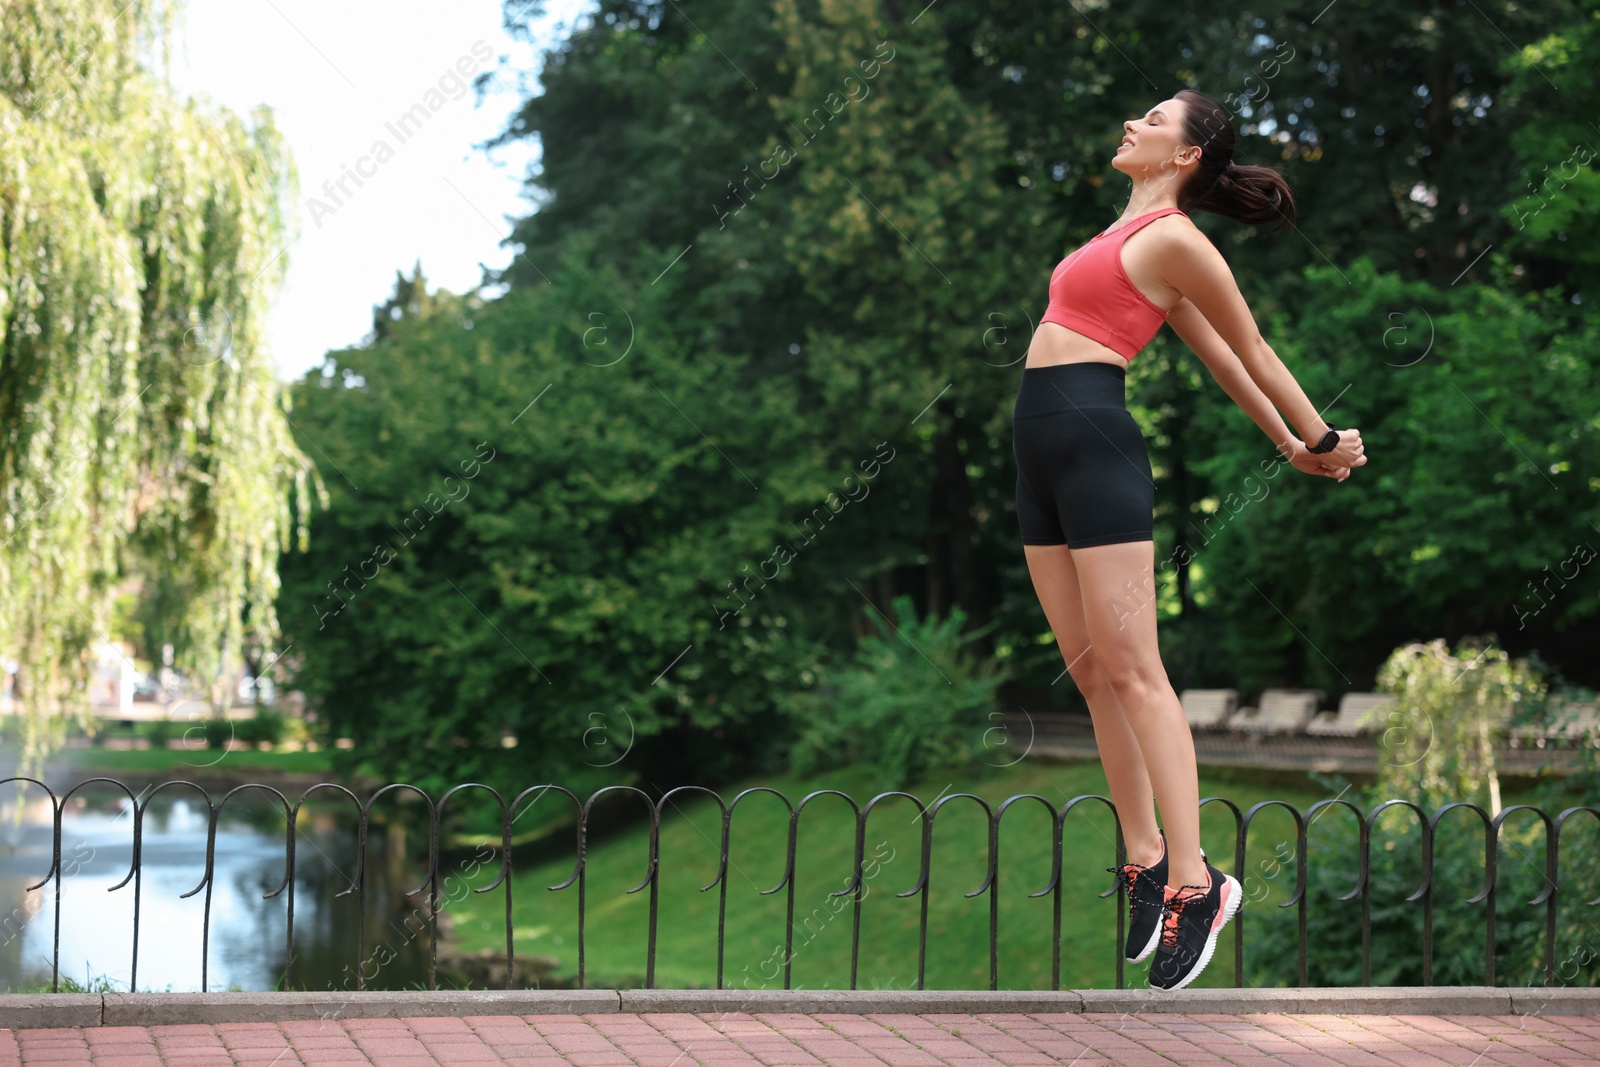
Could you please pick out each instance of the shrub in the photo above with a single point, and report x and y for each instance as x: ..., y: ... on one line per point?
x: 1448, y: 719
x: 268, y: 725
x: 159, y: 731
x: 1438, y: 749
x: 1333, y: 937
x: 910, y: 702
x: 218, y: 730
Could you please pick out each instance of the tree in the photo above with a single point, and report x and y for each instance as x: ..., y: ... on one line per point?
x: 1449, y: 717
x: 1554, y: 205
x: 1477, y: 405
x: 410, y: 300
x: 548, y: 524
x: 141, y: 431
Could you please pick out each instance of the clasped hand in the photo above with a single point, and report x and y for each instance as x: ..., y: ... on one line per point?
x: 1336, y: 464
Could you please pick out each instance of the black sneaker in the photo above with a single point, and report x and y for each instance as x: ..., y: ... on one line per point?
x: 1192, y: 918
x: 1144, y: 886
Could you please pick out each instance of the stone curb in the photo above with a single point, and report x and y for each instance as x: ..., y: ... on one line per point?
x: 26, y: 1011
x: 20, y: 1011
x: 155, y: 1009
x: 849, y: 1002
x: 1414, y: 1000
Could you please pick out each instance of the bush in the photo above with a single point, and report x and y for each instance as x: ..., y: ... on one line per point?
x: 218, y: 730
x: 1333, y: 940
x: 157, y: 731
x: 1448, y: 719
x: 268, y: 725
x: 1438, y: 749
x: 911, y: 701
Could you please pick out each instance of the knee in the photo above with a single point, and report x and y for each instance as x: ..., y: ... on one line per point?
x: 1133, y: 681
x: 1089, y: 674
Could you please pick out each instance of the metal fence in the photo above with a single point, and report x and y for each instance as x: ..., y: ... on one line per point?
x: 987, y: 879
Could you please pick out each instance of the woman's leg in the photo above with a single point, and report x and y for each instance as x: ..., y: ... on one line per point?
x: 1117, y: 582
x: 1055, y: 580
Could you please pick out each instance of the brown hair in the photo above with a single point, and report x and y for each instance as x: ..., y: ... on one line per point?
x: 1248, y: 194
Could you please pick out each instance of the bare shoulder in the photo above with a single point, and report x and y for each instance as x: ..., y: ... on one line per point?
x: 1187, y: 255
x: 1193, y: 266
x: 1178, y: 233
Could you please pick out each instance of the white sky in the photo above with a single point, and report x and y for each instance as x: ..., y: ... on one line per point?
x: 334, y: 73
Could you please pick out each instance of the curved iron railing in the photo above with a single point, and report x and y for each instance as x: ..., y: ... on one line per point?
x: 927, y: 814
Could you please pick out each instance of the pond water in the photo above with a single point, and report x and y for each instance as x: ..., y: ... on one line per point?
x: 247, y: 928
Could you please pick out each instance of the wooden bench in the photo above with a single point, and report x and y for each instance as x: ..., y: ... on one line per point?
x: 1282, y: 711
x: 1359, y: 713
x: 1208, y: 708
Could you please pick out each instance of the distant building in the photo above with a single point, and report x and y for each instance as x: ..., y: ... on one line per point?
x: 112, y: 679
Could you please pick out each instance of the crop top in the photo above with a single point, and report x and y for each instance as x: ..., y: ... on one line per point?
x: 1091, y: 293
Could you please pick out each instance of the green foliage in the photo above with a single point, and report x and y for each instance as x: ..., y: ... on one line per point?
x: 543, y: 502
x: 1334, y: 949
x: 1481, y: 473
x: 1556, y: 192
x: 141, y: 432
x: 1449, y: 717
x: 268, y: 725
x: 218, y: 730
x: 1438, y: 749
x: 912, y: 702
x: 749, y: 273
x: 159, y: 731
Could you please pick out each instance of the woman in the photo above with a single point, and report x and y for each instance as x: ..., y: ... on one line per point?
x: 1085, y: 496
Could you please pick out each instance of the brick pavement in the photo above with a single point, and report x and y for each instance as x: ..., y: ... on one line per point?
x: 738, y: 1039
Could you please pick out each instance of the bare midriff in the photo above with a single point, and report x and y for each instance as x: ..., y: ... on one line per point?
x: 1053, y: 343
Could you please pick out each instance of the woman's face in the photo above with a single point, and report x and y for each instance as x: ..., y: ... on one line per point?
x: 1155, y: 142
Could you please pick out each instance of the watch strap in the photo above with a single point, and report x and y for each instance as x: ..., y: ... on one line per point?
x: 1329, y: 442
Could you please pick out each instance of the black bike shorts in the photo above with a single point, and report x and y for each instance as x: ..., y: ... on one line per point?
x: 1083, y: 474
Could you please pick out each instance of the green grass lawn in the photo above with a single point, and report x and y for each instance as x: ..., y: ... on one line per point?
x: 617, y: 923
x: 110, y: 762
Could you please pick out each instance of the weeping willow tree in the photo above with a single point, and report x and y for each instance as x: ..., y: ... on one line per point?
x: 142, y: 433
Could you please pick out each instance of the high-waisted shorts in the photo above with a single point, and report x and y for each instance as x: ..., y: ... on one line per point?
x: 1083, y: 474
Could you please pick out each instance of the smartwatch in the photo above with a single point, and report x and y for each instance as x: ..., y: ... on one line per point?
x: 1329, y: 442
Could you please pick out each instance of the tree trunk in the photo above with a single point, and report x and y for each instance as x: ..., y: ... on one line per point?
x: 953, y: 496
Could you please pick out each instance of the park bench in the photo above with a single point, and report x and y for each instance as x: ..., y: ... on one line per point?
x: 1208, y: 708
x: 1282, y: 711
x: 1359, y: 713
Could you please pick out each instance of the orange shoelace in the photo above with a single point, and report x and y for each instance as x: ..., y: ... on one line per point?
x: 1173, y: 912
x: 1130, y: 879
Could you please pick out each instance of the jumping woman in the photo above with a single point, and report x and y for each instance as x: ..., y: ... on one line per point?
x: 1085, y: 497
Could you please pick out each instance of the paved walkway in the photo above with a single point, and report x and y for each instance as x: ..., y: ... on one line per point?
x: 1062, y: 736
x: 736, y: 1039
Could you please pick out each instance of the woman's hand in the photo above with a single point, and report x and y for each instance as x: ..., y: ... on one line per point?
x: 1302, y: 459
x: 1349, y: 453
x: 1310, y: 464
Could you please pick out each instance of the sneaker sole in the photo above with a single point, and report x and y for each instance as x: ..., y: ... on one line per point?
x: 1232, y: 895
x: 1144, y: 954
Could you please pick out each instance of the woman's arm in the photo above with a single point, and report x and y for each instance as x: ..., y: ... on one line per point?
x: 1193, y: 329
x: 1195, y: 268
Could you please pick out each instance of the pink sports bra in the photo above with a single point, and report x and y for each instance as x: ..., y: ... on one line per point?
x: 1091, y: 294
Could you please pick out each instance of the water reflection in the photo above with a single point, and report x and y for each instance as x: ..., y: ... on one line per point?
x: 247, y: 932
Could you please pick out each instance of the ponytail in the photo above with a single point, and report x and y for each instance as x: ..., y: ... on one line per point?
x: 1248, y: 194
